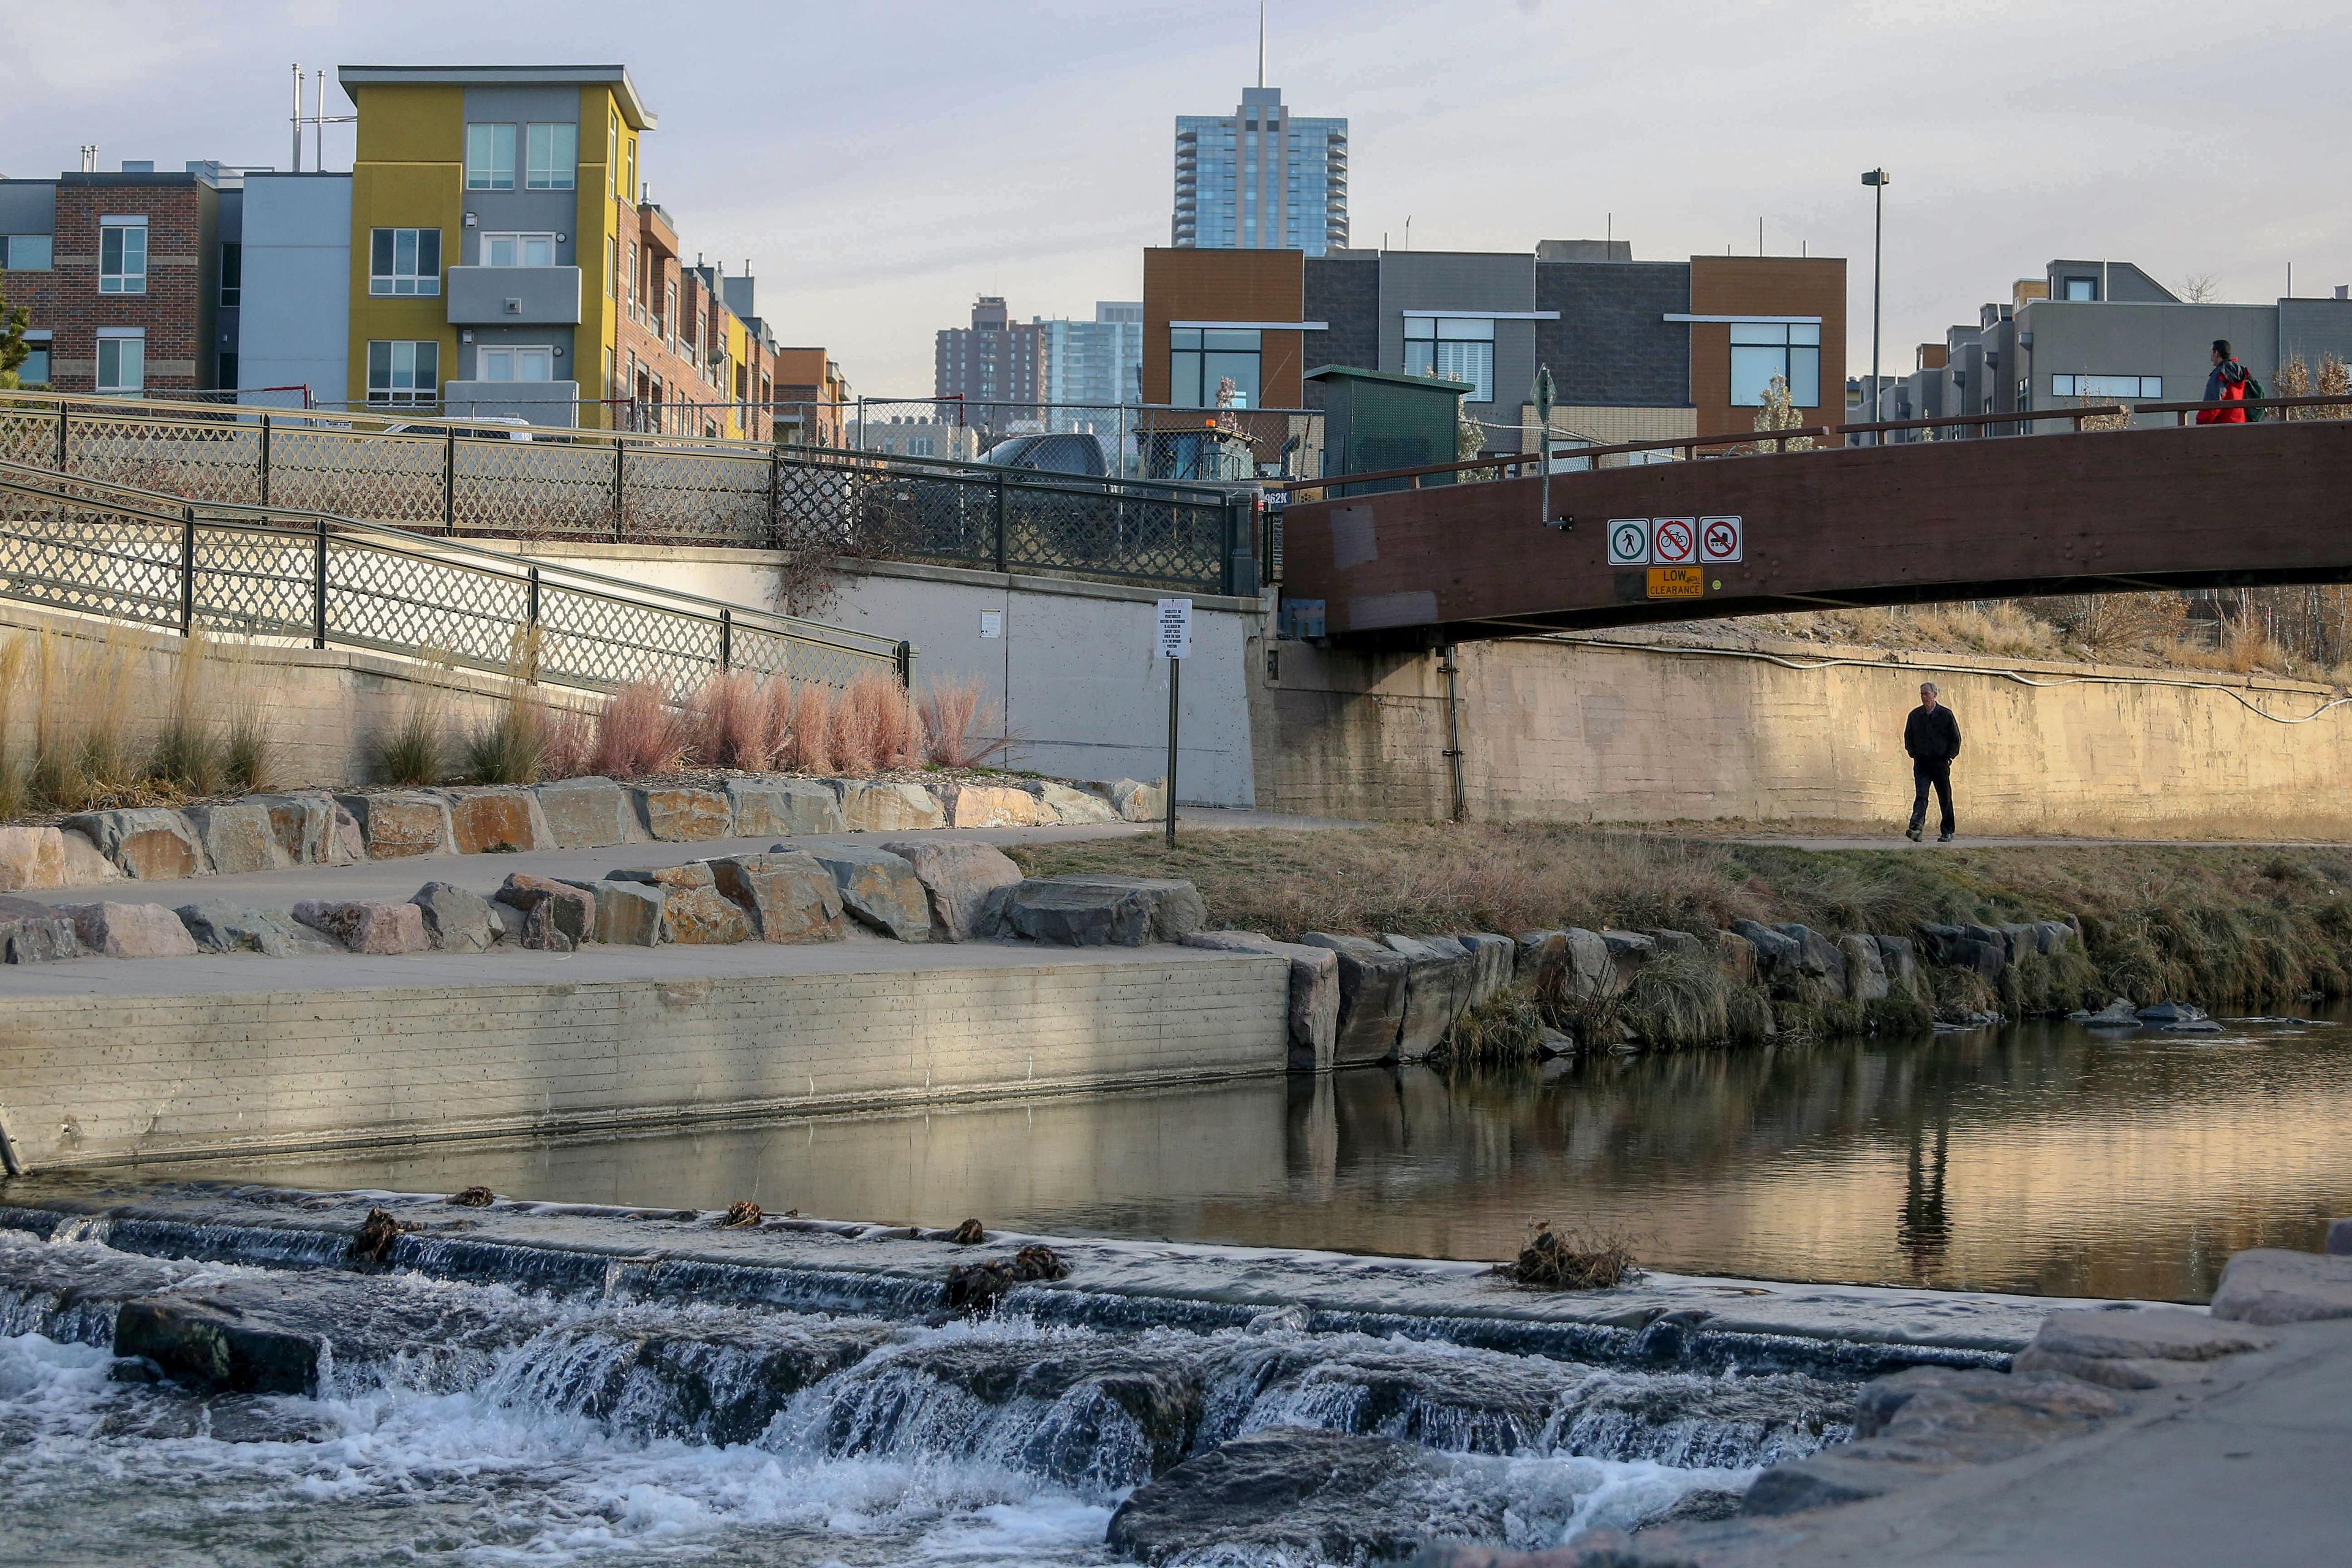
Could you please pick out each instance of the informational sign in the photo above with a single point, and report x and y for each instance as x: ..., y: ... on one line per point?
x: 1175, y: 627
x: 1674, y: 540
x: 1721, y: 539
x: 1629, y: 541
x: 1677, y: 583
x: 992, y: 625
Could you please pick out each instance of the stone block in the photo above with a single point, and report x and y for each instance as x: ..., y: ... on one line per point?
x: 2339, y: 1238
x: 494, y: 820
x: 1966, y: 947
x: 223, y: 925
x: 703, y: 916
x: 1776, y: 955
x: 2268, y: 1286
x: 693, y: 874
x: 1681, y: 943
x: 303, y: 824
x: 869, y: 805
x: 398, y: 825
x: 1539, y: 963
x: 572, y: 916
x: 1441, y: 975
x: 683, y: 814
x: 129, y: 930
x: 788, y: 897
x: 84, y: 863
x: 968, y: 885
x: 147, y: 843
x: 1628, y: 951
x: 31, y: 858
x: 1492, y: 959
x: 351, y: 842
x: 1372, y: 996
x: 880, y: 889
x: 629, y: 915
x: 1100, y: 911
x: 2147, y: 1348
x: 543, y: 927
x: 367, y: 925
x: 238, y: 837
x: 790, y: 807
x: 457, y: 920
x: 1138, y: 802
x: 991, y: 805
x: 1590, y: 971
x: 1865, y: 972
x: 1314, y: 1015
x: 1898, y: 957
x: 1076, y: 807
x: 1818, y: 957
x: 588, y: 813
x: 35, y: 933
x: 1735, y: 955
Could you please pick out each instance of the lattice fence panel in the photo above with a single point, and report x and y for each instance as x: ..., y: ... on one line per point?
x: 377, y: 477
x: 72, y: 555
x: 402, y: 603
x: 1139, y: 538
x: 689, y: 497
x: 200, y: 460
x: 596, y: 640
x: 254, y: 582
x: 768, y: 652
x: 534, y: 489
x: 30, y: 436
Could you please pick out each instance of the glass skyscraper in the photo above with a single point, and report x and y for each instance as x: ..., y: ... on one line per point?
x: 1258, y: 179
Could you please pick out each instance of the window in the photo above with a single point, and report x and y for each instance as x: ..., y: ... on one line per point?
x: 23, y: 252
x: 613, y: 155
x: 34, y: 371
x: 516, y: 363
x: 122, y: 359
x: 613, y: 262
x: 2106, y: 386
x: 517, y: 251
x: 403, y: 372
x: 405, y: 261
x: 2082, y: 288
x: 1762, y: 350
x: 921, y: 447
x: 1455, y: 347
x: 228, y: 375
x: 489, y: 157
x: 1202, y: 359
x: 122, y: 256
x: 630, y: 194
x: 552, y: 153
x: 231, y: 274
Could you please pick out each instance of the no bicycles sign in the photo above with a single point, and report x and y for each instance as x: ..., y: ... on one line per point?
x: 1674, y: 540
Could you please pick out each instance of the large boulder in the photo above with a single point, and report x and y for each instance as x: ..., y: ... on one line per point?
x: 496, y: 819
x: 691, y: 874
x: 238, y: 837
x: 1628, y: 952
x: 872, y: 805
x: 880, y: 889
x: 765, y: 807
x: 31, y: 858
x: 2147, y: 1348
x: 1735, y: 955
x: 788, y: 897
x: 703, y: 916
x: 129, y: 930
x: 1441, y: 975
x: 1590, y: 971
x: 991, y: 805
x: 1898, y: 958
x: 587, y: 812
x: 1313, y: 1017
x: 35, y: 933
x: 303, y: 824
x: 968, y: 885
x: 1777, y: 955
x: 2267, y: 1285
x: 1494, y: 958
x: 1818, y: 958
x: 1966, y: 947
x: 457, y: 920
x: 85, y: 866
x: 1098, y: 911
x: 683, y: 813
x: 1076, y: 807
x: 560, y: 909
x: 367, y: 925
x: 1865, y: 972
x: 1372, y: 996
x: 629, y: 915
x: 1138, y: 802
x: 215, y: 1349
x: 148, y: 843
x: 223, y: 925
x: 1539, y: 963
x: 396, y: 824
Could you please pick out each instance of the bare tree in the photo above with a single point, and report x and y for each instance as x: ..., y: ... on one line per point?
x: 2200, y: 288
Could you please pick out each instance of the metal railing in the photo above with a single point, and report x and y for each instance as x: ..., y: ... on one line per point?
x: 127, y: 555
x: 464, y: 478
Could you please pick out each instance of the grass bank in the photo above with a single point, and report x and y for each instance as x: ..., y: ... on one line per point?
x: 2220, y: 927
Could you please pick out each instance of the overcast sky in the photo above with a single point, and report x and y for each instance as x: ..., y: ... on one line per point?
x: 881, y: 162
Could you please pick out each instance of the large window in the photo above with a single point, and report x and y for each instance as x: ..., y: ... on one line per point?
x: 2106, y: 386
x: 1200, y: 360
x: 34, y: 371
x: 122, y: 256
x: 231, y: 274
x: 403, y: 372
x: 122, y: 359
x: 518, y: 362
x: 2080, y: 288
x: 613, y: 155
x: 1454, y: 347
x: 517, y: 251
x: 24, y: 253
x: 405, y: 261
x: 552, y: 153
x: 489, y: 157
x: 1762, y: 350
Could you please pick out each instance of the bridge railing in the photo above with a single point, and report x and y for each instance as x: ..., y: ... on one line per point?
x: 123, y: 553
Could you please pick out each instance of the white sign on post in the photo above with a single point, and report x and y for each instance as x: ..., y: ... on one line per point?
x: 1629, y: 541
x: 1721, y: 539
x: 1175, y: 627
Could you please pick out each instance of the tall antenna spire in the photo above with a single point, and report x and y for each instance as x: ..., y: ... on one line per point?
x: 1261, y: 42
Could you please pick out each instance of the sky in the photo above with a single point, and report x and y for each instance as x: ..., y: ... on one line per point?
x: 881, y: 162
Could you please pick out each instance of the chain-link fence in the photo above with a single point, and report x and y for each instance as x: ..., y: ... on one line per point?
x: 1142, y: 442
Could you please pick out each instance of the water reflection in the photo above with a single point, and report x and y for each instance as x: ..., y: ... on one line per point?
x: 2037, y: 1158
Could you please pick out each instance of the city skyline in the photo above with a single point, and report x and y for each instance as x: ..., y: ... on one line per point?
x: 871, y: 242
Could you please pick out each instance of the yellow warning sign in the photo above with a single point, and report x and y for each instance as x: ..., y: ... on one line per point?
x: 1676, y: 582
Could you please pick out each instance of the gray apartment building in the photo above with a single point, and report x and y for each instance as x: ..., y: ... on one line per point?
x: 1260, y: 178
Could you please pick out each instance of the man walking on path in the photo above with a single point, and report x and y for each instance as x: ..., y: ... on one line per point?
x: 2228, y: 384
x: 1932, y: 736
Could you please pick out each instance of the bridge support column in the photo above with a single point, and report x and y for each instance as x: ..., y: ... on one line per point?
x: 1448, y: 667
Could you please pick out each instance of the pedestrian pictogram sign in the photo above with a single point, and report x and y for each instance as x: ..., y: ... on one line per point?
x: 1721, y: 539
x: 1674, y: 540
x: 1677, y: 583
x: 1629, y: 541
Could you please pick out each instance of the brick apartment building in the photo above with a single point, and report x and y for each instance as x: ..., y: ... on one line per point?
x: 996, y: 360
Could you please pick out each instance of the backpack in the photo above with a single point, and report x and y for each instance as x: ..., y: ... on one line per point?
x: 2253, y: 392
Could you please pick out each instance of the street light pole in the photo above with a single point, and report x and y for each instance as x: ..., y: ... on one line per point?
x: 1877, y: 180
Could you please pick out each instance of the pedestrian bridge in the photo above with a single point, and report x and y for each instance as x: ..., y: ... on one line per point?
x: 1759, y: 531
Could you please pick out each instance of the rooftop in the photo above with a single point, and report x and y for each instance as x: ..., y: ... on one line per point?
x: 617, y: 77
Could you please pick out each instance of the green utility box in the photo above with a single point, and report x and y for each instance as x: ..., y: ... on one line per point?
x: 1377, y: 419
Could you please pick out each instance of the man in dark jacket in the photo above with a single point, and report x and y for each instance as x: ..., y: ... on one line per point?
x: 2227, y: 385
x: 1932, y: 736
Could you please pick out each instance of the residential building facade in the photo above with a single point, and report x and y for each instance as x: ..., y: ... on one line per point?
x: 1097, y: 363
x: 1260, y: 179
x: 995, y: 366
x: 900, y: 437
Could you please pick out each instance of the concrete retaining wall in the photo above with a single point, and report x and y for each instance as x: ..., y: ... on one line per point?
x: 1584, y: 733
x: 183, y: 1056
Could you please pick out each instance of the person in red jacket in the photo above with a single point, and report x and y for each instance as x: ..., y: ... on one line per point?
x: 2225, y: 387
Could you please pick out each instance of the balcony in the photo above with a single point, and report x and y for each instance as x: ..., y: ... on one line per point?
x: 514, y: 296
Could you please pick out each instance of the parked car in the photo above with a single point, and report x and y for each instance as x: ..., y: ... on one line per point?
x: 481, y: 428
x: 1065, y: 454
